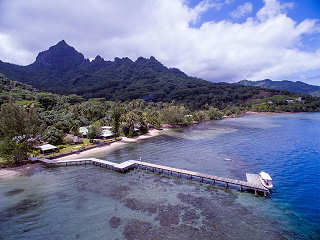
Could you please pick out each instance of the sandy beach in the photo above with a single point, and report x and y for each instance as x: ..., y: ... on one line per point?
x: 114, y: 146
x: 268, y: 113
x: 15, y: 171
x: 11, y: 172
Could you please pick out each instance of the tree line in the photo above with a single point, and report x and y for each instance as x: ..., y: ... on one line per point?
x: 28, y: 117
x: 54, y: 116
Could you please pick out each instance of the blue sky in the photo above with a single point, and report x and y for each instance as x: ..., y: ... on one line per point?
x: 217, y: 40
x: 300, y: 10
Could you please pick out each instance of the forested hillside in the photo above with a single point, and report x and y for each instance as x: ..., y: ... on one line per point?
x: 28, y: 114
x: 294, y: 87
x: 63, y: 70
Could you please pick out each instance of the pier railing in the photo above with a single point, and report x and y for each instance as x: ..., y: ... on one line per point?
x: 256, y: 186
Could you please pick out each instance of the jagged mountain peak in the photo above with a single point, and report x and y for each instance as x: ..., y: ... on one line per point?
x: 151, y: 62
x: 62, y: 43
x: 123, y: 60
x: 98, y: 59
x: 144, y: 60
x: 62, y: 69
x: 60, y: 57
x: 153, y: 59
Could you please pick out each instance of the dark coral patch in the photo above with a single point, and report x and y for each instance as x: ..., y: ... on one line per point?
x: 115, y: 222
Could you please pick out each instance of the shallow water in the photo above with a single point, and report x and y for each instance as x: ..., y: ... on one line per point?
x: 94, y: 203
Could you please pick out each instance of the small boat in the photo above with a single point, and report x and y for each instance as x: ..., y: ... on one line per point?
x: 266, y: 180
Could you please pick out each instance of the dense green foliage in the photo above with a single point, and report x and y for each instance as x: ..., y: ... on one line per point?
x: 63, y: 70
x: 94, y: 132
x: 20, y: 131
x: 53, y: 135
x: 131, y: 97
x: 48, y: 117
x: 29, y: 114
x: 282, y: 103
x: 295, y: 87
x: 116, y: 119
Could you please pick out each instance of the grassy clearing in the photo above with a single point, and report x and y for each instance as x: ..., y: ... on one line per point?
x: 3, y: 162
x: 274, y: 99
x: 65, y: 149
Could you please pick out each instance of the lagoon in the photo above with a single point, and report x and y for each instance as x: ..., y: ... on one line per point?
x: 93, y: 203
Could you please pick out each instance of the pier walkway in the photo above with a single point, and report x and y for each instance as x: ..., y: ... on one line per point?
x: 253, y: 182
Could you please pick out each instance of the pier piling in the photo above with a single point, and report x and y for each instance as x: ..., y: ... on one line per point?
x: 252, y: 182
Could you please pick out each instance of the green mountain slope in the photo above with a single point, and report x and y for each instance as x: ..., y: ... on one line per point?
x: 295, y: 87
x: 15, y: 91
x: 61, y: 69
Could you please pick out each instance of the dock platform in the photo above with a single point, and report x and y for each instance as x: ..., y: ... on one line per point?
x: 252, y: 182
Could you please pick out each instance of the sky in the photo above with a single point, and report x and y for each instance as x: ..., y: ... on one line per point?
x: 217, y: 40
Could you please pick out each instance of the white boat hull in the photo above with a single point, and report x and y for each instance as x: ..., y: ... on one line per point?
x: 268, y: 185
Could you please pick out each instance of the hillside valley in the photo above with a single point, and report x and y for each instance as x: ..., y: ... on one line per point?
x: 62, y: 69
x: 294, y: 87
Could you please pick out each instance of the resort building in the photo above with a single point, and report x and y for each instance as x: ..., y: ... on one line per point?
x: 106, y: 132
x: 47, y: 148
x: 83, y: 131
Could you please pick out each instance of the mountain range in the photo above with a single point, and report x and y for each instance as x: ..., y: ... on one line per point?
x: 295, y: 87
x: 62, y: 69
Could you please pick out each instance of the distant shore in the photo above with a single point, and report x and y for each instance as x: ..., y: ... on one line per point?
x: 266, y: 113
x: 259, y: 113
x: 14, y: 171
x: 272, y: 113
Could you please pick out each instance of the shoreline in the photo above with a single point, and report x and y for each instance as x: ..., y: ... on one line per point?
x: 30, y: 167
x: 273, y: 113
x: 11, y: 172
x: 8, y: 172
x: 113, y: 146
x: 248, y: 113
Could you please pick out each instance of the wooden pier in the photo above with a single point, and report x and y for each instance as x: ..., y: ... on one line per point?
x: 252, y: 182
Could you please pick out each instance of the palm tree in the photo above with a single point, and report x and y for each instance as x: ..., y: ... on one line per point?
x: 117, y: 118
x: 152, y: 117
x: 130, y: 118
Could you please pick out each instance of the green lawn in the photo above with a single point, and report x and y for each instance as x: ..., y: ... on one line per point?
x: 3, y: 162
x: 275, y: 99
x: 64, y: 149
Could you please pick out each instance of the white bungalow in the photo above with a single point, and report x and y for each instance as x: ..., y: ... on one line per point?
x: 106, y: 132
x: 83, y: 131
x: 46, y: 148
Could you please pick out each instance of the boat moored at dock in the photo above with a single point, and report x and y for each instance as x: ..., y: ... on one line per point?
x: 252, y: 182
x: 265, y: 179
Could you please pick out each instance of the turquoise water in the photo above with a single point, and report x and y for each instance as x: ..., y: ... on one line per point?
x: 94, y: 203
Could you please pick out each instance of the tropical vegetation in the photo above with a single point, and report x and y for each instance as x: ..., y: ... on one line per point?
x: 129, y: 96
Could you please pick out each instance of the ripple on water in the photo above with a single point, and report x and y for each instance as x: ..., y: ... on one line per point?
x: 14, y: 192
x: 138, y: 211
x: 141, y: 205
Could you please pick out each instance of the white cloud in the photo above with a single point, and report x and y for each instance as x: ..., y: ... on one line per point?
x: 242, y: 10
x: 266, y: 46
x: 273, y: 8
x: 9, y: 50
